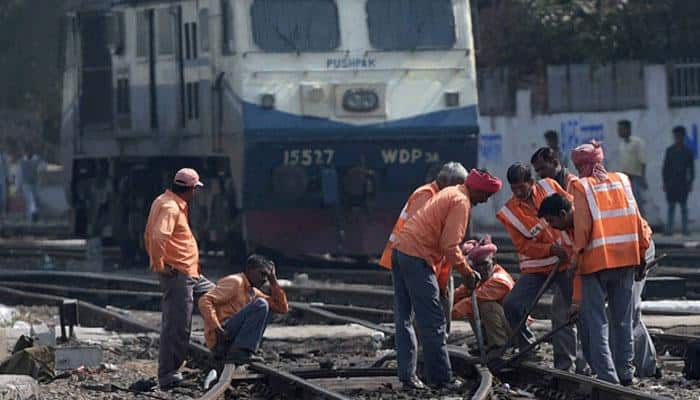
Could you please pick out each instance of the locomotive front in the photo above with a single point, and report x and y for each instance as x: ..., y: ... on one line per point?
x: 345, y: 107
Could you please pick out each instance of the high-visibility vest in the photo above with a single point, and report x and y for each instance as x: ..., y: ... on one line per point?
x: 432, y: 188
x: 615, y: 233
x: 495, y: 288
x: 531, y: 227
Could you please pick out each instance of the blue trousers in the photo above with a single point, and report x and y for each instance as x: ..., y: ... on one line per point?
x: 416, y: 289
x: 611, y: 344
x: 245, y: 329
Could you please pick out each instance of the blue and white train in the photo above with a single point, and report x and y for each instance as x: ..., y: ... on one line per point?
x: 310, y: 121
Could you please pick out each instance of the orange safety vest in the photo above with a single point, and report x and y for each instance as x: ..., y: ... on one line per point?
x: 532, y: 228
x: 496, y: 288
x: 432, y: 188
x: 615, y: 233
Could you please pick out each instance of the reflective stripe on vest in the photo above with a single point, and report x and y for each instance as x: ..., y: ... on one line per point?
x: 604, y: 241
x: 596, y: 213
x: 527, y: 263
x: 517, y: 224
x: 546, y: 186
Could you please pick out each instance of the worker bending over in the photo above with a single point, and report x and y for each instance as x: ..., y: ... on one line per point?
x: 451, y: 174
x: 434, y: 232
x: 236, y: 311
x: 540, y: 249
x: 493, y: 287
x: 566, y: 345
x: 559, y: 213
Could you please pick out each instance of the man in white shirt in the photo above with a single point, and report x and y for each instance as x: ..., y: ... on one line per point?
x: 633, y: 162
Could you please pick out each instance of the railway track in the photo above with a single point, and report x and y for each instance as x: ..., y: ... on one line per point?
x: 550, y: 383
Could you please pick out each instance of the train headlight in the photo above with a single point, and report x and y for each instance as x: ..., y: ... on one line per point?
x: 360, y: 100
x: 267, y: 101
x: 452, y: 99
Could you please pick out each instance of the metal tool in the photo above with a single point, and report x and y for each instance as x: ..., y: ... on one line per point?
x: 477, y: 324
x: 533, y: 304
x: 499, y: 363
x: 641, y: 273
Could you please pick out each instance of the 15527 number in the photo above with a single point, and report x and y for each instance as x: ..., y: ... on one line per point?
x: 308, y: 157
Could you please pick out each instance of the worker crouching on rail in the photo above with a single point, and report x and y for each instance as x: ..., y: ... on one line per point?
x: 433, y: 233
x: 236, y: 311
x: 495, y: 284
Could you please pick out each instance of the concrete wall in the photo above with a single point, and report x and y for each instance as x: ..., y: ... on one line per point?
x: 507, y: 139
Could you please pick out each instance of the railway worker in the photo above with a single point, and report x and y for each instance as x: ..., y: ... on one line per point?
x: 559, y: 213
x: 540, y: 249
x: 609, y: 243
x: 236, y: 311
x: 451, y: 174
x: 174, y: 255
x: 494, y: 286
x: 434, y: 232
x: 546, y: 164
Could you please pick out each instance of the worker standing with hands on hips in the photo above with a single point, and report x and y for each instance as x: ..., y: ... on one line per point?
x: 174, y: 256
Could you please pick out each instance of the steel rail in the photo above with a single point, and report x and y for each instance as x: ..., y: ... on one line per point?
x: 300, y: 383
x: 218, y: 391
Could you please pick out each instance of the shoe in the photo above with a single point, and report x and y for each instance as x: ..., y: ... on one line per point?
x: 455, y: 385
x: 242, y: 356
x: 628, y: 381
x: 659, y: 373
x: 413, y: 384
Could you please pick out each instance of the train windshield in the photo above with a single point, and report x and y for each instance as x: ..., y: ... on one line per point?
x: 295, y: 25
x: 411, y: 24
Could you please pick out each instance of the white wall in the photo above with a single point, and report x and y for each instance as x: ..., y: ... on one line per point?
x: 506, y: 140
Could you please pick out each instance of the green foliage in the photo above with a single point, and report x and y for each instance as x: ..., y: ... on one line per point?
x: 525, y: 33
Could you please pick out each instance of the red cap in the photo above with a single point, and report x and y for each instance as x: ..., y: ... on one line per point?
x: 187, y: 177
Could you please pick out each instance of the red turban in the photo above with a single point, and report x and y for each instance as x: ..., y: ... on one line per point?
x: 478, y: 252
x: 483, y: 182
x: 588, y: 159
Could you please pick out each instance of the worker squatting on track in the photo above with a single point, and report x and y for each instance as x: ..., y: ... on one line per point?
x: 592, y: 234
x: 494, y: 286
x: 236, y: 312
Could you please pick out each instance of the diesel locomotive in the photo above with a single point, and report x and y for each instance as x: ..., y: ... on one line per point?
x: 309, y: 121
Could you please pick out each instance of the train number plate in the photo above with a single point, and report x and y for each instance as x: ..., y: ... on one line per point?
x: 308, y: 157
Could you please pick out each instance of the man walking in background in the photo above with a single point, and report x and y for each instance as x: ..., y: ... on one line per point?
x: 633, y: 160
x: 678, y: 175
x: 174, y: 256
x: 552, y: 139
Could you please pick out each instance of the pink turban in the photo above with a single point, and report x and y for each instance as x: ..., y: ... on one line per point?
x: 483, y: 182
x: 588, y: 159
x: 478, y: 252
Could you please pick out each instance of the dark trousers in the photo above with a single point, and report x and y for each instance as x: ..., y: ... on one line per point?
x: 245, y: 329
x: 179, y: 292
x: 416, y: 289
x: 672, y: 215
